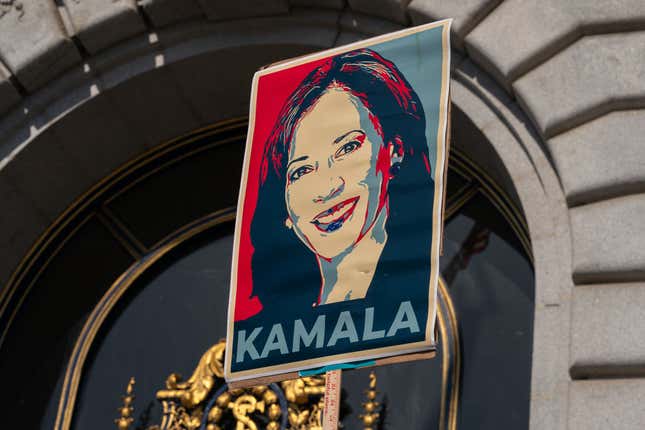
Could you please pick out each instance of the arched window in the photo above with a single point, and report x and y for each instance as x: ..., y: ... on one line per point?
x: 132, y: 280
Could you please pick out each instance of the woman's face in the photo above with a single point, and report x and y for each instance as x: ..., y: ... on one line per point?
x: 337, y: 174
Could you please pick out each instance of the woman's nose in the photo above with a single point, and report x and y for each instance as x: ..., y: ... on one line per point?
x: 334, y: 187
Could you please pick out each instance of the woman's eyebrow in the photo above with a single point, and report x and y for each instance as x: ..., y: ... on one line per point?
x: 304, y: 157
x: 341, y: 137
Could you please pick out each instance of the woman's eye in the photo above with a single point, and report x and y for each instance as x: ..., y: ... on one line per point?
x: 348, y: 148
x: 299, y: 173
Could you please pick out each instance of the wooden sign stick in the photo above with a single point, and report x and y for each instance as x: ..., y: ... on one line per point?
x: 331, y: 409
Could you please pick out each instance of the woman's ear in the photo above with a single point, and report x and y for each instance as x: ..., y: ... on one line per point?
x: 395, y: 147
x: 396, y: 156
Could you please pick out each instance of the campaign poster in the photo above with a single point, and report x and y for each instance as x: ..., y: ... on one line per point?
x: 339, y: 219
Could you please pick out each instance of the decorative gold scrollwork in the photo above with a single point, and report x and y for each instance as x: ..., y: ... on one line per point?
x: 305, y: 397
x: 185, y: 402
x: 195, y: 390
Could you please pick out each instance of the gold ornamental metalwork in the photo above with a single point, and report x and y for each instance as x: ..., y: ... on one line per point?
x: 371, y: 406
x: 189, y: 404
x: 303, y: 413
x: 125, y: 411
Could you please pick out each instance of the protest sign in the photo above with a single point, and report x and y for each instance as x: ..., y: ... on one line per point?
x: 339, y: 222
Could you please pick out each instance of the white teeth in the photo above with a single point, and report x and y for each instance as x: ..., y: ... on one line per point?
x: 326, y: 219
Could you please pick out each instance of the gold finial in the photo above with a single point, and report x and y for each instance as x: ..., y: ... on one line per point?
x: 370, y: 417
x: 125, y: 419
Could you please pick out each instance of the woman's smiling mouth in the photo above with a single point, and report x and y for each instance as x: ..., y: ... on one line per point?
x: 333, y: 218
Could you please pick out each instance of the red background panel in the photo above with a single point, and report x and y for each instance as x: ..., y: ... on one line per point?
x: 272, y: 91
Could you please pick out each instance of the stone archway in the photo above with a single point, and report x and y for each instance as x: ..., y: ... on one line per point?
x: 80, y: 80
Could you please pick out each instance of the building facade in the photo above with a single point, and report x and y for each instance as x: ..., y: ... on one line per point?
x: 95, y: 97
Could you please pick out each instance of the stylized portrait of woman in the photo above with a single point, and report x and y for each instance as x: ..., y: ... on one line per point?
x: 346, y: 193
x: 336, y: 246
